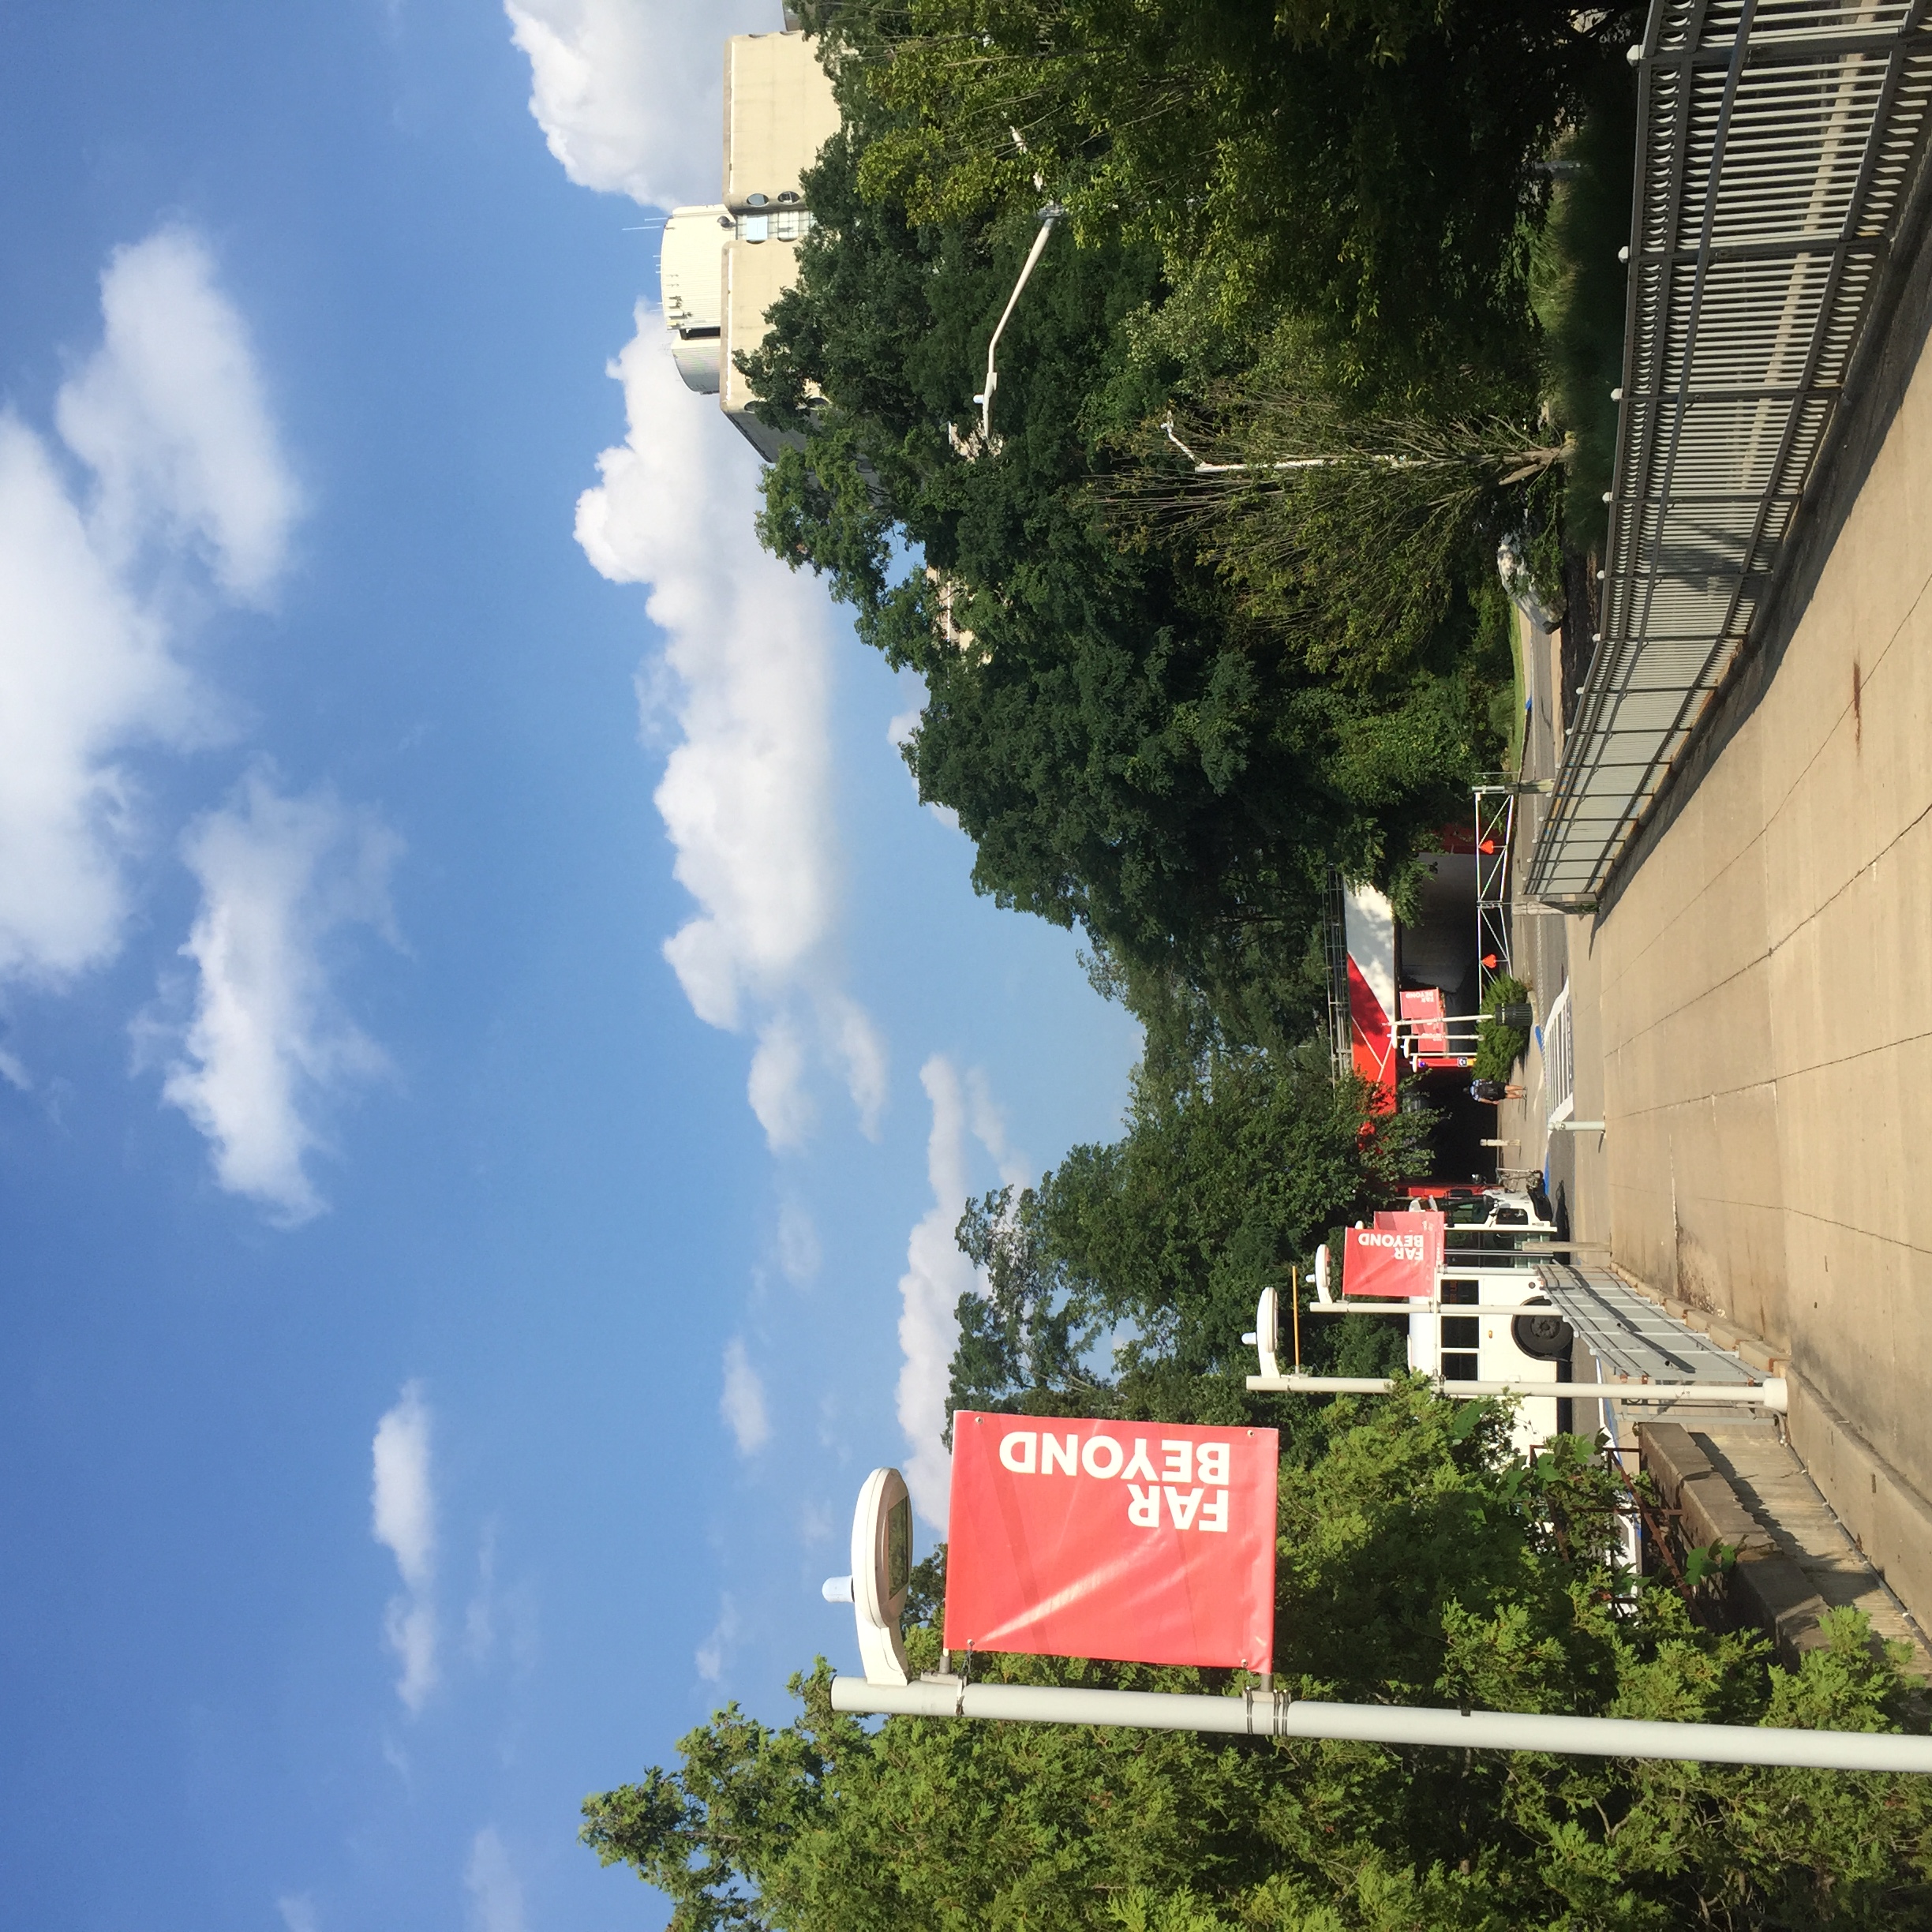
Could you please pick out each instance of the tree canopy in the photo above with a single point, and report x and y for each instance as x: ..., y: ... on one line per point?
x: 1418, y: 1563
x: 1137, y: 738
x: 1371, y: 166
x: 1234, y: 1164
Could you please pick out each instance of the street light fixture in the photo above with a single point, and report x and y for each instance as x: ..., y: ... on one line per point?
x: 1048, y: 216
x: 881, y: 1574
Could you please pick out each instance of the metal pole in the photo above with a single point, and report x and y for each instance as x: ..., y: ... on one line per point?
x: 1271, y: 1713
x: 1431, y: 1305
x: 1773, y: 1393
x: 1048, y: 216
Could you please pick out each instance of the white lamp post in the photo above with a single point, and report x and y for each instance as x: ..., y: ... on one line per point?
x: 881, y: 1549
x: 1048, y: 216
x: 1272, y: 1713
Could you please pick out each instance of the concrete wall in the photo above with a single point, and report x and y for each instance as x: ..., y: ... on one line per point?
x: 779, y: 111
x: 755, y: 274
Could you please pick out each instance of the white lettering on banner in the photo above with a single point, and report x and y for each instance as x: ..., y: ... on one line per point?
x: 1195, y: 1473
x: 1406, y: 1247
x: 1192, y: 1509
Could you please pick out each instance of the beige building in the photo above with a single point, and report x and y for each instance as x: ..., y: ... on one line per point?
x: 724, y: 265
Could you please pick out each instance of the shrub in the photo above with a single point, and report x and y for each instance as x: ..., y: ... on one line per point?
x: 1498, y: 1047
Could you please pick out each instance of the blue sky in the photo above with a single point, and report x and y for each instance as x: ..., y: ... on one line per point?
x: 443, y: 1333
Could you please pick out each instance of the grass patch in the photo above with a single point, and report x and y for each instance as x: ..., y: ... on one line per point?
x: 1519, y: 691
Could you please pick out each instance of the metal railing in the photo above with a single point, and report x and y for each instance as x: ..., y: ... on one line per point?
x: 1439, y: 1036
x: 1779, y: 141
x: 1559, y: 1061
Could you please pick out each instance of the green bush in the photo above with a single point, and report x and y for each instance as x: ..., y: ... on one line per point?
x: 1420, y: 1564
x: 1578, y: 288
x: 1498, y: 1047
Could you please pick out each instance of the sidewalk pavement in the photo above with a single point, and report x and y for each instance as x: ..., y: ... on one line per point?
x: 1753, y: 1000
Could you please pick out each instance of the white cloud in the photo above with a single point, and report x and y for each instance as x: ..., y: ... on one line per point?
x: 169, y: 417
x: 629, y: 95
x: 743, y: 1403
x: 938, y: 1274
x: 860, y: 1050
x: 298, y: 1911
x: 712, y: 1653
x: 398, y: 1761
x: 172, y: 416
x: 402, y: 1518
x: 776, y: 1087
x: 799, y: 1253
x: 479, y: 1618
x: 989, y: 1127
x: 84, y: 674
x: 280, y: 879
x: 495, y: 1895
x: 747, y: 792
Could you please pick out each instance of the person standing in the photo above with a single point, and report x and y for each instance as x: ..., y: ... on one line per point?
x: 1495, y: 1090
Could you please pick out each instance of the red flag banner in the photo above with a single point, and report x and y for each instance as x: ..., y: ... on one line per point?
x: 1146, y: 1542
x: 1428, y: 1029
x: 1400, y: 1257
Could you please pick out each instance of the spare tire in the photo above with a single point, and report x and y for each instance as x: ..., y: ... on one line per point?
x: 1543, y: 1336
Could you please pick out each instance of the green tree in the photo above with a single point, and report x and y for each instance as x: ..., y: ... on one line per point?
x: 1418, y: 1563
x: 1373, y: 167
x: 1235, y: 1163
x: 1127, y: 742
x: 1350, y: 536
x: 1579, y: 287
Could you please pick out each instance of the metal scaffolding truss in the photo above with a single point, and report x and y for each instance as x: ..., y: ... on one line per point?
x: 1779, y: 142
x: 1495, y: 824
x: 1334, y: 953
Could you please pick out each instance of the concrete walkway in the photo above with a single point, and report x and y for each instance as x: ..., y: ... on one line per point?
x: 1753, y: 1000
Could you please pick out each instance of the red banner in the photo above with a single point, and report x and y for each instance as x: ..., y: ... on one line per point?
x: 1372, y: 1042
x: 1428, y: 1029
x: 1399, y: 1258
x: 1146, y: 1542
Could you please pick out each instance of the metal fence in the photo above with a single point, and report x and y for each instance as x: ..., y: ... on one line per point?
x: 1778, y: 142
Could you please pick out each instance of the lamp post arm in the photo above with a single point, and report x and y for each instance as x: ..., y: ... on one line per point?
x: 1272, y: 1713
x: 1049, y: 215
